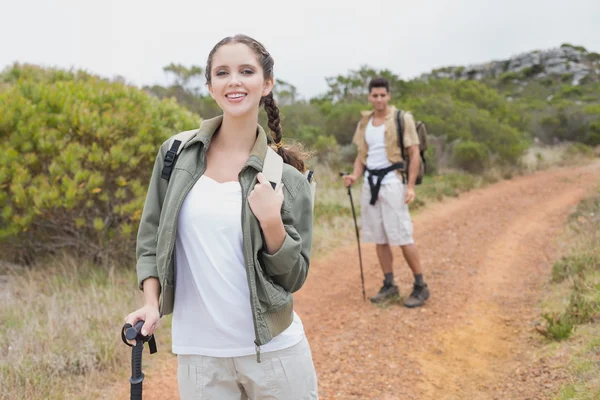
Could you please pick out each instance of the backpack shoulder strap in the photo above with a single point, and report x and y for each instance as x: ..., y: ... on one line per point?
x: 273, y: 167
x: 400, y: 124
x: 273, y: 170
x: 313, y: 185
x: 175, y: 146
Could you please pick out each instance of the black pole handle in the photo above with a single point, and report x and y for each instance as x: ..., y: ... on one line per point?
x: 132, y: 332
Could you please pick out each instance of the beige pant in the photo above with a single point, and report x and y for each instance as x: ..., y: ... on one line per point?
x: 388, y: 220
x: 287, y: 374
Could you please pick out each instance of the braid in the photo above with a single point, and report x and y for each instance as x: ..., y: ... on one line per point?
x: 273, y: 114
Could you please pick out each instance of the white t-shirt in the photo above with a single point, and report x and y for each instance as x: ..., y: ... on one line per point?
x: 377, y: 156
x: 212, y: 315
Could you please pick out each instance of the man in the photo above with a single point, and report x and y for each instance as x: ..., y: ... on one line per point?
x: 385, y: 196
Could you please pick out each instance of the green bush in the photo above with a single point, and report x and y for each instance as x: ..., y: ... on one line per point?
x: 574, y: 264
x: 35, y: 74
x: 567, y: 77
x: 533, y: 70
x: 431, y: 157
x: 579, y: 48
x: 75, y: 159
x: 508, y: 77
x: 471, y: 156
x: 579, y: 150
x: 341, y: 120
x: 560, y: 327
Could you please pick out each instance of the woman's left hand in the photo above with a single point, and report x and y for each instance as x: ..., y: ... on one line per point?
x: 264, y: 201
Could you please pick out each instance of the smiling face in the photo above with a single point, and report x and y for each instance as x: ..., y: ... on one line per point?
x: 237, y: 79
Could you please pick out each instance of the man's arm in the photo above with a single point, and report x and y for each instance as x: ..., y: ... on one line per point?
x: 413, y: 170
x: 359, y: 170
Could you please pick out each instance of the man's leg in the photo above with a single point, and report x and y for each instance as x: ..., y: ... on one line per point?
x: 411, y: 255
x: 420, y: 291
x: 386, y: 258
x: 386, y: 261
x: 373, y: 232
x: 399, y: 230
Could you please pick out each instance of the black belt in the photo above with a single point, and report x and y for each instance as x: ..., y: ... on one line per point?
x: 380, y: 174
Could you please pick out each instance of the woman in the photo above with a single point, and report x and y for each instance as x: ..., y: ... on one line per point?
x: 228, y: 283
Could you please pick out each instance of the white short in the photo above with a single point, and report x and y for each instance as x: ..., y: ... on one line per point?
x: 388, y: 220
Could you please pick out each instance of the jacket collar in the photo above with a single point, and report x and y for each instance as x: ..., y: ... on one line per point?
x: 367, y: 114
x: 208, y: 127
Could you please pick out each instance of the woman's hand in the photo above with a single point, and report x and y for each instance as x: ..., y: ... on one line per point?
x: 265, y: 202
x: 148, y: 313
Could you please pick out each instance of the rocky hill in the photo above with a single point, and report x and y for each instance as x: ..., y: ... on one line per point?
x: 568, y: 63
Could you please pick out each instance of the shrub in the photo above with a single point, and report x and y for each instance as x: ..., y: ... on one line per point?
x: 75, y: 159
x: 471, y: 156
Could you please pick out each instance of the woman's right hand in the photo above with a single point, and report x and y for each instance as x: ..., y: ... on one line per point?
x: 148, y: 313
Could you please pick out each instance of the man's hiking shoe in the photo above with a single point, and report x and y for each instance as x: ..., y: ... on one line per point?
x: 418, y: 296
x: 387, y: 291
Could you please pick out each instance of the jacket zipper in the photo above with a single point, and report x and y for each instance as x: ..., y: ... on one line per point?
x: 250, y: 258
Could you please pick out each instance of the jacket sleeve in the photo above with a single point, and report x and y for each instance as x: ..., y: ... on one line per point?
x: 288, y: 267
x: 147, y: 233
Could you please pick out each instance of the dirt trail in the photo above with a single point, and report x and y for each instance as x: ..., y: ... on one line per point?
x: 487, y: 257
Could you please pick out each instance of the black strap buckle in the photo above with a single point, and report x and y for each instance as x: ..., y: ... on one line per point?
x: 170, y: 157
x: 169, y: 160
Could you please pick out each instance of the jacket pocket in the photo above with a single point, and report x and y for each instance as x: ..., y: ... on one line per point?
x: 271, y: 295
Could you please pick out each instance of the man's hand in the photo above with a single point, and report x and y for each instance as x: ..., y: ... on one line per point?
x: 349, y: 180
x: 410, y: 195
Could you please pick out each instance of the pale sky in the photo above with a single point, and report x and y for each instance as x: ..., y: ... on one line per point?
x: 309, y: 39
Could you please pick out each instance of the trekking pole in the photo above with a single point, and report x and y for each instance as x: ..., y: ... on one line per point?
x: 129, y: 332
x: 362, y: 278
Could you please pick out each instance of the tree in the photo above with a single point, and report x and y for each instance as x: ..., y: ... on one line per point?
x: 285, y: 93
x: 189, y: 79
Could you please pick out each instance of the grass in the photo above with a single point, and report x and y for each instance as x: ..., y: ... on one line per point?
x: 583, y: 382
x: 540, y: 157
x: 60, y: 328
x: 572, y: 308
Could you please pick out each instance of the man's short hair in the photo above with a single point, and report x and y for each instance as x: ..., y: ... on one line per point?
x: 379, y: 82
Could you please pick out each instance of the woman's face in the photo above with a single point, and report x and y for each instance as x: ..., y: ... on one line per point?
x: 237, y: 80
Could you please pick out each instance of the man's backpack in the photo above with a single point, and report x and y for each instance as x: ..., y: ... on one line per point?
x: 422, y: 133
x: 272, y: 167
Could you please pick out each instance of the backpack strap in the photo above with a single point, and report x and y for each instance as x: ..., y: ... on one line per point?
x: 175, y: 146
x: 273, y: 167
x: 313, y: 185
x: 422, y: 152
x: 400, y: 125
x: 273, y: 170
